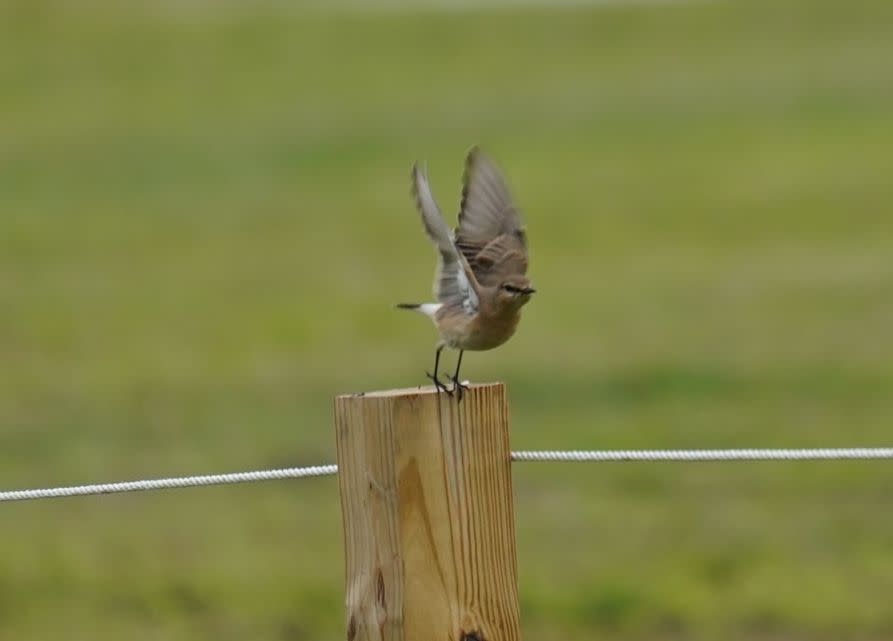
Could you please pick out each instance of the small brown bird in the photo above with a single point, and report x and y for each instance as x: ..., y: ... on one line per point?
x: 480, y: 283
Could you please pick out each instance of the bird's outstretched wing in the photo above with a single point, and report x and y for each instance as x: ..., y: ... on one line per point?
x: 490, y: 234
x: 454, y: 281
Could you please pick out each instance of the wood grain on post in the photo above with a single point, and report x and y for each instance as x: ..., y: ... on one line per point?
x: 426, y: 496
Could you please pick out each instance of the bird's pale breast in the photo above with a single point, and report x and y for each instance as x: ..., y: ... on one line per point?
x: 478, y: 332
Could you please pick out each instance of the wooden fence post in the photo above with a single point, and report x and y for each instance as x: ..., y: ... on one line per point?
x: 429, y: 532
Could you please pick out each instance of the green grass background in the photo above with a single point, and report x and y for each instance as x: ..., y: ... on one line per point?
x: 204, y: 221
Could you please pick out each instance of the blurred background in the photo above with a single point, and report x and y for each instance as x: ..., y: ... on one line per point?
x: 205, y: 221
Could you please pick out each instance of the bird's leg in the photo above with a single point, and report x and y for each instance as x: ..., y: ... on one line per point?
x: 438, y: 385
x: 457, y: 384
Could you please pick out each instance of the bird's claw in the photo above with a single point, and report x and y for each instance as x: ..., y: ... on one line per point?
x: 458, y: 387
x: 439, y: 385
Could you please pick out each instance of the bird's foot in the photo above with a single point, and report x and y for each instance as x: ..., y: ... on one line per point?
x: 458, y: 387
x: 439, y: 385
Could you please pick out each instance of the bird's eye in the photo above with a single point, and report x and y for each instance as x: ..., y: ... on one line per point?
x: 511, y: 289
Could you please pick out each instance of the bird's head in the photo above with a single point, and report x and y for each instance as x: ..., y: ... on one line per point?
x: 514, y: 291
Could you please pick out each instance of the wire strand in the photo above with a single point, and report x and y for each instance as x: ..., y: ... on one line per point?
x: 171, y: 483
x: 565, y: 456
x: 704, y: 456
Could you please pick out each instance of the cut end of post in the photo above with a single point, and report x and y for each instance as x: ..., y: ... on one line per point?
x: 421, y: 390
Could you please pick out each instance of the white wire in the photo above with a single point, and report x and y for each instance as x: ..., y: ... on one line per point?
x: 171, y: 483
x: 625, y: 456
x: 592, y: 456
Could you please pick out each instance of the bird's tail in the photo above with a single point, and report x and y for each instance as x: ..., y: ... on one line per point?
x: 428, y: 309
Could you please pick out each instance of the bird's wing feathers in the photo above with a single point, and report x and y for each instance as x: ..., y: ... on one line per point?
x: 455, y: 283
x: 490, y: 234
x: 499, y: 258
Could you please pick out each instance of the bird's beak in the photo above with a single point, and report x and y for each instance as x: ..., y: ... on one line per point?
x: 527, y: 291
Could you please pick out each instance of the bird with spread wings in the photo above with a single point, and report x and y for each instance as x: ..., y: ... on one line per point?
x: 481, y: 281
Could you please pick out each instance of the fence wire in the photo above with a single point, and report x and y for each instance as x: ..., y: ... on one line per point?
x: 565, y: 456
x: 170, y: 483
x: 705, y: 456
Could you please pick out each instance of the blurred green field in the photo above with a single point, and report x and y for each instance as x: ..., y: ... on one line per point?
x: 204, y: 221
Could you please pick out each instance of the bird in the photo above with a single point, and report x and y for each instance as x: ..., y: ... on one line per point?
x: 481, y: 282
